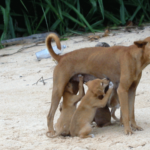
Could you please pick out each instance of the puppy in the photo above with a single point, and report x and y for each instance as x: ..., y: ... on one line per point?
x: 83, y: 116
x: 102, y: 117
x: 68, y: 107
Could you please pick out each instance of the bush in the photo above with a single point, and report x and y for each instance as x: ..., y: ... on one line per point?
x: 74, y: 16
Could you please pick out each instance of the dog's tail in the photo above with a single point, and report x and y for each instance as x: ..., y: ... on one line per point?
x: 47, y: 134
x: 49, y: 46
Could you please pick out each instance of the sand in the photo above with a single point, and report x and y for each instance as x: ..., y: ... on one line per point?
x: 24, y: 106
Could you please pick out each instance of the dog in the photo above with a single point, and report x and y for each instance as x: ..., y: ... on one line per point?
x: 84, y: 114
x: 68, y: 107
x: 123, y: 65
x: 103, y: 115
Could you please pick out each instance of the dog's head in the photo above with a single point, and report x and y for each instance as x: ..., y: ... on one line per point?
x: 145, y: 46
x: 97, y: 86
x: 69, y: 88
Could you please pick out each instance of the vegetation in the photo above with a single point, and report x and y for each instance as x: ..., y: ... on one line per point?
x: 26, y: 17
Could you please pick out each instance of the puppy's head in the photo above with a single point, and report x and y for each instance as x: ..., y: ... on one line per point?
x: 97, y: 86
x: 69, y: 87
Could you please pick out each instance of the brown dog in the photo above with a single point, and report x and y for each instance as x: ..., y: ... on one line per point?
x: 84, y: 114
x: 68, y: 107
x: 103, y: 115
x: 122, y: 65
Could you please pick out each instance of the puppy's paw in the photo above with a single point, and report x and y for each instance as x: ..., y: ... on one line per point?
x: 80, y: 77
x: 92, y: 135
x: 111, y: 85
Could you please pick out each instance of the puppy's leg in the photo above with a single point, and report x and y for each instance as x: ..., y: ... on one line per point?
x: 131, y: 105
x: 113, y: 110
x: 85, y: 131
x: 78, y: 97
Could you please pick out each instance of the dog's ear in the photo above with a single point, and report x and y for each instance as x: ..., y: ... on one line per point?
x: 87, y: 83
x: 140, y: 44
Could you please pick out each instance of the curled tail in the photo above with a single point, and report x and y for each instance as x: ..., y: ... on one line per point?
x: 49, y: 46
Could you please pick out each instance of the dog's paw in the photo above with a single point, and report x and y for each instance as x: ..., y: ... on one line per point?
x: 136, y: 128
x: 111, y: 85
x: 92, y: 135
x: 128, y: 131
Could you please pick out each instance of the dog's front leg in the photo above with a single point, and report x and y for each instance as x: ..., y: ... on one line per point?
x: 132, y: 92
x: 123, y: 98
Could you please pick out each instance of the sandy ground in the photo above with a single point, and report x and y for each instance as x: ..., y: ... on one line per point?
x: 24, y: 106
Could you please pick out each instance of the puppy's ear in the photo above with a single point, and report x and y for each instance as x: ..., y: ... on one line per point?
x: 87, y: 83
x: 101, y: 83
x: 140, y: 44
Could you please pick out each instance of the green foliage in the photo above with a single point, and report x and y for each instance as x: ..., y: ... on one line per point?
x: 68, y: 16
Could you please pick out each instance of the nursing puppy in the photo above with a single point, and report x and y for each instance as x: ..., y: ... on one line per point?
x: 84, y: 114
x: 68, y: 107
x: 103, y: 115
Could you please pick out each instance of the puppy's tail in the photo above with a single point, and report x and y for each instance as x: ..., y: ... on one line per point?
x: 47, y: 134
x: 49, y: 46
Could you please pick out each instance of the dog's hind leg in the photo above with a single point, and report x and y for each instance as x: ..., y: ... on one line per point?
x: 132, y: 92
x: 59, y: 83
x: 54, y: 104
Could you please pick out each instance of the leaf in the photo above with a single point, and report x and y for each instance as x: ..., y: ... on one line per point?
x: 79, y: 14
x: 73, y: 19
x: 122, y: 12
x: 24, y: 5
x: 101, y: 7
x: 134, y: 14
x: 11, y: 27
x: 27, y: 22
x: 141, y: 19
x: 45, y: 17
x: 55, y: 24
x: 42, y: 18
x: 112, y: 18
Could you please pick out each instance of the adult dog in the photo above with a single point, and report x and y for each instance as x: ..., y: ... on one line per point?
x: 122, y: 65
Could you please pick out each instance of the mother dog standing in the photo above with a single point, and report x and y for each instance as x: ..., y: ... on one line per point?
x: 122, y: 65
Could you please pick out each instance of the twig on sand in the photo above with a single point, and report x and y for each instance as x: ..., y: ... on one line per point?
x: 42, y: 80
x: 20, y: 50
